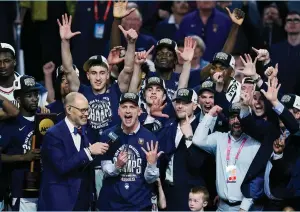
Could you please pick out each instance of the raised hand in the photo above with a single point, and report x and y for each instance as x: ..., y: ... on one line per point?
x: 271, y: 72
x: 140, y: 57
x: 114, y: 55
x: 279, y: 144
x: 215, y: 110
x: 130, y: 35
x: 120, y: 9
x: 272, y: 92
x: 188, y: 50
x: 249, y: 69
x: 246, y: 98
x: 122, y: 159
x: 186, y: 127
x: 237, y: 16
x: 48, y: 68
x: 156, y: 109
x: 152, y: 154
x: 262, y: 55
x: 65, y: 28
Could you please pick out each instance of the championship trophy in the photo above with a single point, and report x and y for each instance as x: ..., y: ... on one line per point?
x: 32, y: 178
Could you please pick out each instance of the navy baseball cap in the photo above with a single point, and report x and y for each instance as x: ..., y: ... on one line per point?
x: 207, y: 86
x: 291, y: 101
x: 130, y: 97
x: 25, y: 84
x: 186, y: 95
x: 225, y: 59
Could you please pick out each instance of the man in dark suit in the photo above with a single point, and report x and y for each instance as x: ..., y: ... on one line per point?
x: 284, y: 175
x: 206, y: 100
x: 184, y: 165
x: 256, y: 182
x: 67, y: 179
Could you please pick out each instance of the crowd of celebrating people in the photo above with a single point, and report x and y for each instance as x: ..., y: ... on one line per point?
x: 183, y: 123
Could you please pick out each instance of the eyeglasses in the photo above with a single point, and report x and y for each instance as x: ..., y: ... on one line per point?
x: 82, y: 110
x: 294, y: 20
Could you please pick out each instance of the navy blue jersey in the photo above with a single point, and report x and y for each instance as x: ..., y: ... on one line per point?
x: 16, y: 137
x: 103, y: 108
x: 172, y: 83
x: 58, y: 108
x: 129, y: 190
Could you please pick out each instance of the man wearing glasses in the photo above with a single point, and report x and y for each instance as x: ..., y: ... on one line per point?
x: 286, y: 54
x: 68, y: 177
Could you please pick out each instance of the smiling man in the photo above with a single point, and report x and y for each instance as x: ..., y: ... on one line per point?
x: 234, y: 152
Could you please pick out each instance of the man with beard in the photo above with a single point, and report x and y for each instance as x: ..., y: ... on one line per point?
x: 16, y: 137
x: 232, y: 164
x: 130, y: 165
x: 8, y: 75
x: 183, y: 165
x: 206, y: 100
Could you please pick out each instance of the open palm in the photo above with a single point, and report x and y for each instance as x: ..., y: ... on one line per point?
x: 120, y: 9
x: 65, y: 28
x: 273, y: 88
x: 188, y: 50
x: 250, y: 69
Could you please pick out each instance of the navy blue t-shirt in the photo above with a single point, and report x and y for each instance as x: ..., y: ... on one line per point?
x: 214, y: 33
x: 58, y: 108
x: 129, y: 190
x: 16, y: 138
x: 103, y: 108
x: 172, y: 83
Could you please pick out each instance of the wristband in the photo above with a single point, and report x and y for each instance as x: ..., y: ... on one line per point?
x: 89, y: 151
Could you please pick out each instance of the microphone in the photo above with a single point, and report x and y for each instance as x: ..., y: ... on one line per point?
x: 113, y: 138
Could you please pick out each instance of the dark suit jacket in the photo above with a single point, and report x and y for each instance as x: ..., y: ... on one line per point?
x: 197, y: 164
x: 253, y: 184
x: 285, y: 173
x: 61, y: 161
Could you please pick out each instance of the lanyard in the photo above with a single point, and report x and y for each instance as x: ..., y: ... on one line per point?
x: 239, y: 151
x: 96, y: 12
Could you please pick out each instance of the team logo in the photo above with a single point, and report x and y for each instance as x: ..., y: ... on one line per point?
x: 126, y: 186
x: 44, y: 125
x: 286, y: 98
x: 100, y: 113
x: 141, y: 141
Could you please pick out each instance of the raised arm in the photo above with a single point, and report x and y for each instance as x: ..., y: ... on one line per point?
x: 125, y: 76
x: 8, y: 109
x: 120, y: 11
x: 66, y: 34
x: 140, y: 58
x: 237, y: 17
x: 187, y: 56
x: 201, y: 138
x: 48, y: 69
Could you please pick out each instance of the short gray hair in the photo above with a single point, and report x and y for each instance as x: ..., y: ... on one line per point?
x: 199, y: 42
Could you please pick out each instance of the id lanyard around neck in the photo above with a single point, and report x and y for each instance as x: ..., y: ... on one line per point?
x: 96, y: 12
x: 237, y: 154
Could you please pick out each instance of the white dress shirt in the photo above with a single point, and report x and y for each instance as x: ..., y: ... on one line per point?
x: 216, y: 143
x: 77, y: 138
x: 179, y: 134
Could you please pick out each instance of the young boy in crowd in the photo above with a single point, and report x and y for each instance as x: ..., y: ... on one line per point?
x: 198, y: 198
